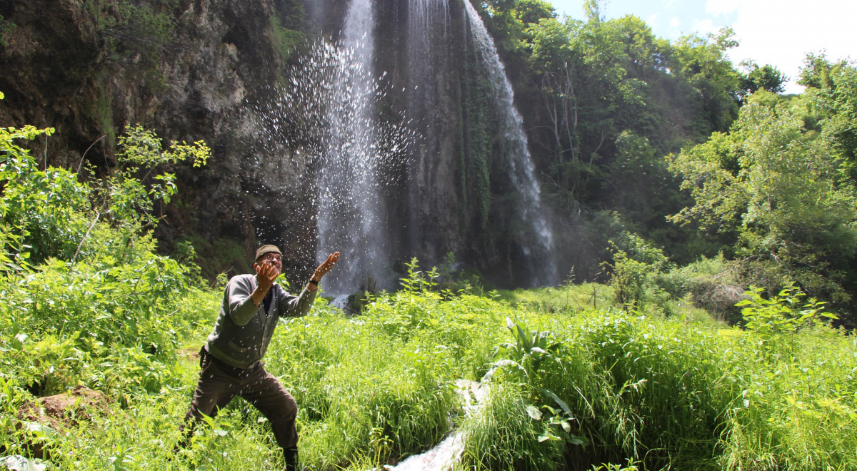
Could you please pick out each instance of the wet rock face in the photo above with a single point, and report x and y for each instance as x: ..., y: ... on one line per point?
x: 46, y: 72
x: 221, y: 57
x: 57, y: 71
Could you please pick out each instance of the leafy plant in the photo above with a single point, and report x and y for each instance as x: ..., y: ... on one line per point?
x: 783, y: 313
x: 527, y: 353
x: 417, y: 281
x: 634, y: 269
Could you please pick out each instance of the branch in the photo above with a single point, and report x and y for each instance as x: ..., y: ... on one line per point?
x: 87, y: 150
x: 97, y: 215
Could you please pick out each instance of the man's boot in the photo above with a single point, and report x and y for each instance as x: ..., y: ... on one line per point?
x: 291, y: 455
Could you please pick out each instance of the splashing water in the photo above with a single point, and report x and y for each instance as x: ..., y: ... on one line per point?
x: 522, y: 170
x: 328, y: 108
x: 350, y: 208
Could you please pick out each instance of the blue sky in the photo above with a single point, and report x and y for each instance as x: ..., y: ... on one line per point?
x: 777, y: 32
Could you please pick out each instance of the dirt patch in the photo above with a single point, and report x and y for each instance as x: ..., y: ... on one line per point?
x: 65, y: 410
x: 42, y: 418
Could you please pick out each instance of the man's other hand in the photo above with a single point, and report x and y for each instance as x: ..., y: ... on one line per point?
x: 325, y: 267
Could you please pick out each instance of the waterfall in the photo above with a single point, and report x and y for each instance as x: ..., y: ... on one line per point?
x: 428, y: 56
x: 379, y: 197
x: 521, y: 168
x: 350, y: 215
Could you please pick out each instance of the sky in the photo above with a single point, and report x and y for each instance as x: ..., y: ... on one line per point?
x: 776, y: 32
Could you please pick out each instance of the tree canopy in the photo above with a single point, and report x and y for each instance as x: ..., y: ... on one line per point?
x: 634, y: 128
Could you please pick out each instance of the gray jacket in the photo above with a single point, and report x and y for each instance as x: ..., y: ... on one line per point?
x: 243, y: 331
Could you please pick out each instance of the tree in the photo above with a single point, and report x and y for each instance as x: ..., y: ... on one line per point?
x: 767, y: 78
x: 831, y: 96
x: 778, y: 186
x: 703, y: 63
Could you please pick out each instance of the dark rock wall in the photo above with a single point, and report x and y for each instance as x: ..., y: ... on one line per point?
x: 46, y: 74
x: 57, y: 73
x: 222, y: 55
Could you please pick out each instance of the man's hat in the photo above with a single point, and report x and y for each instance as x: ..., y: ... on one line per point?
x: 265, y: 249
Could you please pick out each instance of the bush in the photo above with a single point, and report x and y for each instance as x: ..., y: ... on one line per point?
x: 86, y: 298
x: 635, y: 264
x: 682, y: 396
x: 711, y: 283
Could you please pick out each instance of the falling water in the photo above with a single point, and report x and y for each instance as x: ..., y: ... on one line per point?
x: 350, y: 208
x: 328, y: 110
x: 428, y: 25
x: 522, y: 170
x: 428, y: 56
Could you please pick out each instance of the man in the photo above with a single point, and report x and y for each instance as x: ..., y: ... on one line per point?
x: 230, y: 361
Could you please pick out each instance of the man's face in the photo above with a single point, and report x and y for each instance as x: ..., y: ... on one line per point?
x: 274, y: 259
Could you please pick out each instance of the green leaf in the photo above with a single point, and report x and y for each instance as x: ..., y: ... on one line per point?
x: 558, y: 401
x: 534, y: 412
x: 524, y: 338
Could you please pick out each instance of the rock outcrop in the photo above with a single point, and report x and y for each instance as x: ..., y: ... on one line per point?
x: 87, y: 69
x: 59, y: 70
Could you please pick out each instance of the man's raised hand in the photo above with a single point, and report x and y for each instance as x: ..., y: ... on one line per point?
x: 325, y: 267
x: 270, y: 271
x: 266, y: 273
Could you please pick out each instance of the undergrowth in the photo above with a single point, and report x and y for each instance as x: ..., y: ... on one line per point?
x: 578, y: 377
x: 602, y: 386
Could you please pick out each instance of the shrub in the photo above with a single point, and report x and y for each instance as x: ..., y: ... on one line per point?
x: 711, y: 283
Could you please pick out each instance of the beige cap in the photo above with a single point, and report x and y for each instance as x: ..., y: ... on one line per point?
x: 266, y: 249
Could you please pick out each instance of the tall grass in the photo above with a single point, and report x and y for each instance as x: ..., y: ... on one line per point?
x: 564, y: 299
x: 382, y: 385
x: 682, y: 396
x: 584, y: 387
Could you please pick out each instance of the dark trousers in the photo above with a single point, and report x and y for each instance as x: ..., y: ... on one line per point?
x: 220, y: 383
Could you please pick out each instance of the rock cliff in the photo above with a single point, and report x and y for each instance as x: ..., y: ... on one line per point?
x: 192, y: 69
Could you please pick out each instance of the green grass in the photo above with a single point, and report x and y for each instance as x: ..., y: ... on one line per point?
x: 563, y: 299
x: 644, y: 390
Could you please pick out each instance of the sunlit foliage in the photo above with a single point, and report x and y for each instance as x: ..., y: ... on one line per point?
x: 781, y: 182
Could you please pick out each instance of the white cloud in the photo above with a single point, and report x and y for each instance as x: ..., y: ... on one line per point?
x: 782, y: 32
x: 673, y: 30
x: 703, y: 27
x: 653, y: 20
x: 721, y: 7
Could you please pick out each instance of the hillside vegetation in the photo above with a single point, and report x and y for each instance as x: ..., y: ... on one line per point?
x: 673, y: 143
x: 640, y: 378
x: 709, y: 236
